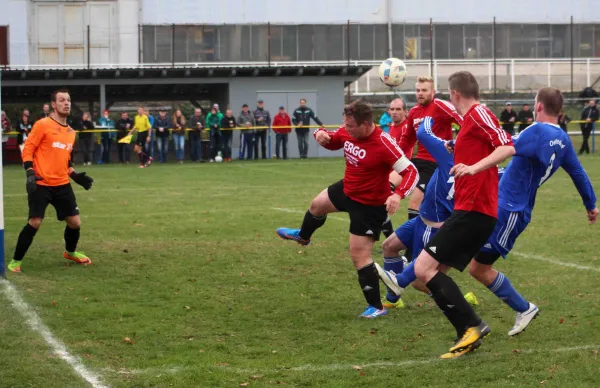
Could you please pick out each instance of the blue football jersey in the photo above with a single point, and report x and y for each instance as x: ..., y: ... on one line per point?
x: 438, y: 201
x: 540, y: 150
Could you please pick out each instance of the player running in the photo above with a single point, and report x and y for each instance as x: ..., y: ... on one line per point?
x: 48, y: 166
x: 141, y: 124
x: 364, y: 193
x: 444, y: 115
x: 480, y: 146
x: 540, y: 150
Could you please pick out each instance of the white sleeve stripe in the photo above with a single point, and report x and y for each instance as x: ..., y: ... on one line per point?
x: 490, y: 123
x: 409, y: 190
x: 429, y: 128
x: 446, y: 107
x: 394, y: 149
x: 401, y: 164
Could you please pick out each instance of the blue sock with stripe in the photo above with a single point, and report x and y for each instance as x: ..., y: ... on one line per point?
x: 395, y: 264
x: 503, y: 289
x: 407, y: 276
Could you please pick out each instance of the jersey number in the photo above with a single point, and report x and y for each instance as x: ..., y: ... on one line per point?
x: 548, y: 170
x: 451, y: 191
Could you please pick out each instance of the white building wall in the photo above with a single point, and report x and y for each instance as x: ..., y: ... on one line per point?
x: 365, y: 11
x: 128, y: 12
x: 14, y: 15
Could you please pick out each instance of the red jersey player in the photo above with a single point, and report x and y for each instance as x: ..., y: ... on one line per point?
x: 364, y: 193
x: 443, y: 115
x: 479, y: 147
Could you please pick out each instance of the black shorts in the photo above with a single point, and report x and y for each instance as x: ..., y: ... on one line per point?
x: 61, y: 197
x: 460, y: 238
x: 487, y: 258
x: 365, y: 220
x: 426, y: 169
x: 141, y: 139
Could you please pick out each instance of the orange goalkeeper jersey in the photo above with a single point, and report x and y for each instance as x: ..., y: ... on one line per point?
x: 49, y: 147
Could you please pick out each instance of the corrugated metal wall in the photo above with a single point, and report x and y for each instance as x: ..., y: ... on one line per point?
x: 365, y: 11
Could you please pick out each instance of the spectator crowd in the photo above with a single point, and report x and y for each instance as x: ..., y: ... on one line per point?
x: 209, y: 134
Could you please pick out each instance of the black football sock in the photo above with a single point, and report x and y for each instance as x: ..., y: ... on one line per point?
x: 310, y: 224
x: 369, y: 283
x: 71, y: 239
x: 412, y: 213
x: 387, y: 228
x: 24, y: 241
x: 448, y: 297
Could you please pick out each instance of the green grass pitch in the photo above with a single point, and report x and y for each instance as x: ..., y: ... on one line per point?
x: 187, y: 266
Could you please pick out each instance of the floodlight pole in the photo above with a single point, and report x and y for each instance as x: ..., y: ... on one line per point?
x: 2, y: 264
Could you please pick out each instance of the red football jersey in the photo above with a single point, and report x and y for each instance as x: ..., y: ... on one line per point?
x: 479, y: 135
x: 444, y: 115
x: 396, y: 131
x: 368, y: 165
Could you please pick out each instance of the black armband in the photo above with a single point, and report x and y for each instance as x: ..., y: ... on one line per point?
x: 27, y: 165
x: 392, y: 187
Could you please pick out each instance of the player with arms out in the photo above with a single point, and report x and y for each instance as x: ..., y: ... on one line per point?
x: 541, y: 149
x: 48, y: 166
x: 480, y: 146
x: 443, y: 115
x: 364, y: 193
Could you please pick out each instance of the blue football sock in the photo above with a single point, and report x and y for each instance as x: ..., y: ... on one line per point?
x: 407, y: 276
x: 395, y: 264
x: 502, y: 288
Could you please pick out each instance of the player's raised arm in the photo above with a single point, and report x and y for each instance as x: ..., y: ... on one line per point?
x: 328, y: 139
x: 434, y: 145
x: 404, y: 167
x: 581, y: 180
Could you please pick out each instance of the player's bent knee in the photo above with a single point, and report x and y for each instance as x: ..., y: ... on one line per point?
x: 321, y: 205
x: 74, y: 222
x: 392, y: 245
x: 35, y: 222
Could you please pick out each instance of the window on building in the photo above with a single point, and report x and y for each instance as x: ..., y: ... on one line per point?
x: 289, y: 40
x: 560, y: 42
x: 354, y: 41
x: 305, y: 43
x: 398, y: 40
x: 381, y: 48
x: 584, y: 40
x: 523, y: 40
x: 455, y: 37
x: 330, y: 42
x: 441, y: 35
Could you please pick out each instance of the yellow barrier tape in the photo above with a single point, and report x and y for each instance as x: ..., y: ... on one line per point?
x: 253, y: 128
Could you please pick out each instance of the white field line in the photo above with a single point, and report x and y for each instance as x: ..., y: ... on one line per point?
x: 35, y: 323
x: 335, y: 367
x: 523, y: 255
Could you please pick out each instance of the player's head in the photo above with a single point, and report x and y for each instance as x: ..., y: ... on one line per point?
x: 424, y: 89
x: 548, y: 103
x: 464, y: 90
x: 397, y: 110
x: 140, y: 110
x: 358, y: 119
x: 61, y: 102
x: 302, y: 102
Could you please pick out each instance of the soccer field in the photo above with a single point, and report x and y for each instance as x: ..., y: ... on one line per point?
x: 191, y: 287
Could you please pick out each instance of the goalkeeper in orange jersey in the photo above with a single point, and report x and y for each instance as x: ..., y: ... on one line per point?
x: 48, y: 165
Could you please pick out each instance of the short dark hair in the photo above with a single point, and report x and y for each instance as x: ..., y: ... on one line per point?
x: 551, y: 99
x: 54, y: 93
x: 360, y: 111
x: 464, y: 83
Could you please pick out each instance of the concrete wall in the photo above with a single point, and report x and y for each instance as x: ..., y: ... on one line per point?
x: 14, y: 15
x: 371, y: 11
x: 328, y: 93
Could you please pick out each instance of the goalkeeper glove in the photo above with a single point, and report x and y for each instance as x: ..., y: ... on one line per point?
x: 32, y: 179
x: 82, y: 179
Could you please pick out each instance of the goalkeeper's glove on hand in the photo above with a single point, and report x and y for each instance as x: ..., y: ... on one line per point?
x: 32, y: 179
x: 82, y: 179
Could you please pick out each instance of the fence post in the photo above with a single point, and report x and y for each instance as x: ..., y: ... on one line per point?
x: 348, y: 41
x: 269, y: 44
x: 593, y: 137
x: 512, y: 75
x: 490, y: 78
x: 88, y: 46
x: 172, y: 45
x: 549, y: 74
x: 587, y: 67
x: 572, y: 53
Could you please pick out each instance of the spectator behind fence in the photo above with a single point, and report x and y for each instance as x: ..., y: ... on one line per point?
x: 262, y: 117
x: 213, y: 122
x: 228, y: 124
x: 301, y: 119
x: 195, y: 135
x: 246, y: 120
x: 563, y: 120
x: 525, y: 116
x: 508, y: 117
x: 6, y: 127
x: 86, y: 139
x: 107, y: 136
x: 282, y: 119
x: 123, y: 126
x: 23, y: 127
x: 45, y: 112
x: 385, y: 121
x: 178, y: 122
x: 162, y: 123
x: 590, y: 115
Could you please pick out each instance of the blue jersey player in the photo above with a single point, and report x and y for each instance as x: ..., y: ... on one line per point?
x: 434, y: 210
x: 540, y: 150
